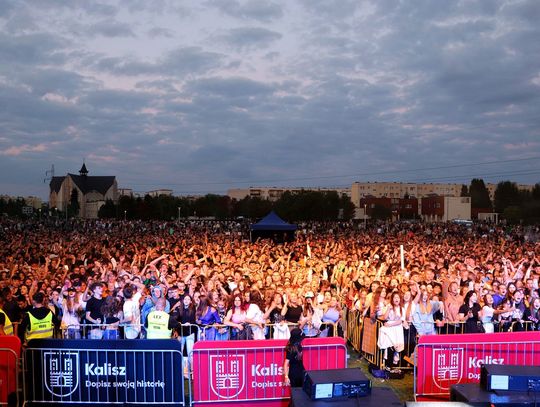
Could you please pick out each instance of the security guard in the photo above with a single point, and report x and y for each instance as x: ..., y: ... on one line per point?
x: 159, y: 325
x: 6, y: 327
x: 39, y: 322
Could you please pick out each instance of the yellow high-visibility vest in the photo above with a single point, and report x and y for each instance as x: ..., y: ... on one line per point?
x: 40, y: 328
x: 8, y: 326
x: 158, y: 325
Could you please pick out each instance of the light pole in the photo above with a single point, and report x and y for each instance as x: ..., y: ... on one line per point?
x: 125, y: 215
x: 365, y: 216
x: 39, y: 214
x: 179, y: 209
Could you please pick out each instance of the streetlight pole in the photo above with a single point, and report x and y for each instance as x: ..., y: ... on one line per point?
x: 125, y: 215
x: 39, y: 214
x: 179, y: 209
x: 365, y: 216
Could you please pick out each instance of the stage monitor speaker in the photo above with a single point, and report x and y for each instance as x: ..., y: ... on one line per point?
x: 336, y: 384
x: 510, y: 378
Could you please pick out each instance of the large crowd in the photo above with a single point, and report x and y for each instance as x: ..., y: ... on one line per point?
x: 110, y: 279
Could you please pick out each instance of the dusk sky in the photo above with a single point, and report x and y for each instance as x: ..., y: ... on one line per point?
x: 203, y: 96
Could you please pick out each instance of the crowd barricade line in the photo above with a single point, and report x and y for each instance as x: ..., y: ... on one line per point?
x: 60, y: 371
x: 446, y: 360
x: 99, y: 331
x: 10, y: 351
x: 247, y: 371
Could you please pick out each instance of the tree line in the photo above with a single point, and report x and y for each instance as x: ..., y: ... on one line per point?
x: 293, y: 206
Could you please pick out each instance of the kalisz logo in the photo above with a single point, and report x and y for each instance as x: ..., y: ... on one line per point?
x: 61, y: 372
x: 447, y: 367
x: 227, y: 375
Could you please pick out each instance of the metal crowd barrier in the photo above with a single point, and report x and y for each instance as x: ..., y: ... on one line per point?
x: 99, y: 331
x: 222, y: 332
x: 363, y: 334
x: 9, y: 377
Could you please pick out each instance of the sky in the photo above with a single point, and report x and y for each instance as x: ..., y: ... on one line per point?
x: 202, y: 96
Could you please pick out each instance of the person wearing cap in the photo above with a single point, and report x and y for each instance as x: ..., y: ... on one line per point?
x: 293, y: 366
x: 71, y: 315
x: 159, y: 324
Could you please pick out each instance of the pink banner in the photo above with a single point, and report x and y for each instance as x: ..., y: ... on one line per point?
x: 445, y: 360
x: 246, y: 371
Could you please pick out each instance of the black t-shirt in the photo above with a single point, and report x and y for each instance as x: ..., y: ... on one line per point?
x: 93, y: 306
x: 296, y: 368
x: 293, y: 313
x: 471, y: 323
x: 12, y: 310
x: 275, y: 315
x: 2, y: 318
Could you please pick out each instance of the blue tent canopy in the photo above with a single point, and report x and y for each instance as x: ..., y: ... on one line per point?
x: 272, y: 222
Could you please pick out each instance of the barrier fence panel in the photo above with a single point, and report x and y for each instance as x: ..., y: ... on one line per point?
x: 10, y: 351
x: 445, y: 360
x: 128, y: 372
x: 244, y: 372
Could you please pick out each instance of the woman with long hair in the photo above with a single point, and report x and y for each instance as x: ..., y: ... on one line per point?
x: 236, y: 317
x: 187, y: 319
x: 331, y: 317
x: 254, y: 314
x: 391, y: 333
x: 532, y: 315
x: 112, y: 315
x: 469, y: 313
x: 206, y: 316
x: 71, y: 315
x: 293, y: 367
x: 423, y: 314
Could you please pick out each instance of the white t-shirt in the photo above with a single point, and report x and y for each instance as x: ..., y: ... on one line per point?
x: 132, y: 312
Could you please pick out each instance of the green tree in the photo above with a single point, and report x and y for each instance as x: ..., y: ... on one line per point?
x: 479, y: 194
x: 108, y: 210
x: 464, y: 190
x: 73, y: 207
x: 507, y: 194
x: 381, y: 212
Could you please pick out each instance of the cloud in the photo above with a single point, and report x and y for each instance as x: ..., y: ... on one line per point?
x: 251, y: 37
x: 110, y: 28
x: 15, y: 151
x: 178, y: 62
x: 264, y: 11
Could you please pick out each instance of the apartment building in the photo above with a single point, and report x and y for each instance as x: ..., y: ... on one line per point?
x: 274, y: 193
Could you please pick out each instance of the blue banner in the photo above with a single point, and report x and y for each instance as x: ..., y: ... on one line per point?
x: 104, y: 371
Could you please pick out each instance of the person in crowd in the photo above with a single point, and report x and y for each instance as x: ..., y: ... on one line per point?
x: 292, y: 309
x: 391, y: 333
x: 72, y: 311
x: 254, y: 314
x: 187, y: 330
x: 132, y: 294
x: 293, y: 366
x: 331, y: 317
x: 40, y: 322
x: 94, y: 317
x: 6, y: 326
x: 469, y: 313
x: 531, y: 316
x: 236, y: 318
x: 159, y: 324
x: 206, y: 316
x: 111, y: 309
x: 423, y: 314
